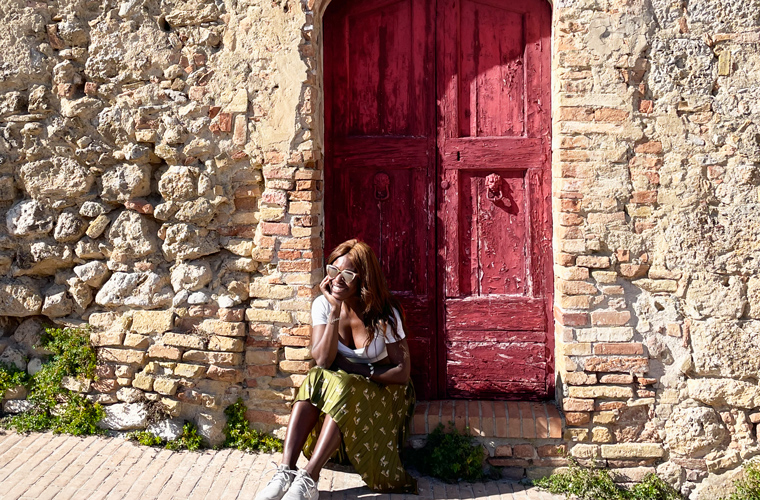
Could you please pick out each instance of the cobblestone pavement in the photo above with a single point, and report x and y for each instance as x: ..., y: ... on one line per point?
x: 48, y: 466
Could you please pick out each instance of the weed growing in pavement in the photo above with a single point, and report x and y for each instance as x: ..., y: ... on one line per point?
x: 53, y: 406
x: 748, y: 488
x: 597, y: 484
x: 238, y: 433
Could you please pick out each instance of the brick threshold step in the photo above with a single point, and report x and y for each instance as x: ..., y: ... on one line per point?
x: 490, y: 419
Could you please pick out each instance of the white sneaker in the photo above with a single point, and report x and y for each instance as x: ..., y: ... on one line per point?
x: 278, y: 485
x: 303, y: 488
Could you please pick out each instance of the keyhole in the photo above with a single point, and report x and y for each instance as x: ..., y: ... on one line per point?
x: 459, y: 156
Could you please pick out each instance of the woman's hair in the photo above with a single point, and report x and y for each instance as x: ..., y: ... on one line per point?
x: 377, y: 299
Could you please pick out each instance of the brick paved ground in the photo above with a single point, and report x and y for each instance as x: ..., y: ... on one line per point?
x: 47, y: 466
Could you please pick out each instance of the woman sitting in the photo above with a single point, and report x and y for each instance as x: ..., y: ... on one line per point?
x: 358, y: 400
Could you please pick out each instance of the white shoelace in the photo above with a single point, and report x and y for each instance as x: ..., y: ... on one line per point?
x: 308, y: 483
x: 285, y: 473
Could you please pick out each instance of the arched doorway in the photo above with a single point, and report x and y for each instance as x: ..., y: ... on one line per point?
x: 437, y: 153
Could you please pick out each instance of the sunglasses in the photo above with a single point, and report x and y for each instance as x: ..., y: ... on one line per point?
x: 333, y: 272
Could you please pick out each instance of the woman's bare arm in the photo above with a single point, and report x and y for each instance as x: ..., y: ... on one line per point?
x: 395, y: 372
x: 324, y: 338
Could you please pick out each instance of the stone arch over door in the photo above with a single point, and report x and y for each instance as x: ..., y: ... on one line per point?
x: 383, y: 71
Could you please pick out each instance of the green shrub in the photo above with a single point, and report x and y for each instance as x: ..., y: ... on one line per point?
x: 189, y: 440
x: 450, y: 456
x: 748, y: 488
x: 238, y: 433
x: 54, y: 407
x: 11, y: 377
x: 597, y: 484
x: 146, y: 438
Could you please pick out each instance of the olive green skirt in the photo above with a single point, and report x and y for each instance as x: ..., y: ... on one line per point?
x: 373, y: 420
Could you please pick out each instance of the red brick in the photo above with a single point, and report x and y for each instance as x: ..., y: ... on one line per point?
x: 574, y: 404
x: 290, y: 266
x: 292, y: 341
x: 552, y: 450
x: 301, y: 330
x: 610, y: 405
x: 225, y: 122
x: 644, y: 197
x: 419, y: 418
x: 616, y: 379
x: 629, y: 349
x: 651, y: 147
x: 610, y: 318
x: 611, y: 115
x: 571, y: 319
x: 634, y: 365
x: 289, y: 255
x: 433, y: 419
x: 564, y: 259
x: 578, y: 114
x: 577, y: 418
x: 523, y: 451
x: 504, y: 450
x: 646, y: 107
x: 275, y: 228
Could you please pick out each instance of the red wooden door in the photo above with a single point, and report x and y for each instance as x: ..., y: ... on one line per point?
x: 380, y: 153
x: 422, y: 105
x: 495, y: 198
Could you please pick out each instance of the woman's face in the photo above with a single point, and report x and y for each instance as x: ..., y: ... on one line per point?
x: 340, y: 290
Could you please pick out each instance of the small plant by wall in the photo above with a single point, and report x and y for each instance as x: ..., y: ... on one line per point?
x: 748, y: 488
x: 239, y: 434
x: 450, y: 456
x: 597, y: 484
x: 54, y: 407
x: 237, y: 431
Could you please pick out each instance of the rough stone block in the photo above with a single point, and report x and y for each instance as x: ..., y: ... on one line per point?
x: 165, y: 386
x: 603, y: 391
x: 125, y: 356
x: 227, y: 344
x: 159, y: 351
x: 183, y: 340
x: 268, y: 316
x: 632, y: 450
x: 224, y: 328
x: 216, y: 358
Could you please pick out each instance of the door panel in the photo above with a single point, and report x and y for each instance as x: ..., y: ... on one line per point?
x: 380, y: 161
x: 491, y: 84
x: 442, y: 108
x: 495, y: 199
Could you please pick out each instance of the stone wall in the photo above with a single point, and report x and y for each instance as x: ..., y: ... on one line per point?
x: 656, y: 173
x: 160, y: 166
x: 158, y: 181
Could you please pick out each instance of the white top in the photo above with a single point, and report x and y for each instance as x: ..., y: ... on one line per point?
x: 375, y: 351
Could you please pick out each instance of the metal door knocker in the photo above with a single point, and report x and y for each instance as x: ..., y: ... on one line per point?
x: 493, y: 187
x: 494, y: 190
x: 382, y: 186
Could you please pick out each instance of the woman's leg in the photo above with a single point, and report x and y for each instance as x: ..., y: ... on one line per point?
x: 327, y: 443
x: 303, y: 418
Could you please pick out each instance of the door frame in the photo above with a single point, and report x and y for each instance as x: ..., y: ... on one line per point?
x: 319, y: 8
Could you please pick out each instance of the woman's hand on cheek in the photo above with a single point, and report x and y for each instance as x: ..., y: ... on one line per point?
x: 323, y: 287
